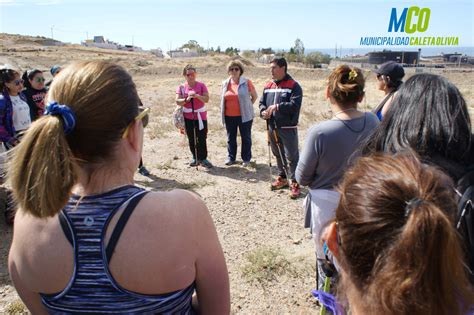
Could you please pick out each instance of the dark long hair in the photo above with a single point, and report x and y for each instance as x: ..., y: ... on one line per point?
x: 6, y: 76
x: 29, y: 75
x: 430, y: 116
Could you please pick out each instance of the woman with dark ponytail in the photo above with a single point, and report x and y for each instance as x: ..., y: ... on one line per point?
x: 86, y: 240
x: 35, y: 91
x: 395, y: 241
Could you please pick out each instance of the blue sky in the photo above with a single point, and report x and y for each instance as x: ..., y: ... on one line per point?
x: 245, y: 24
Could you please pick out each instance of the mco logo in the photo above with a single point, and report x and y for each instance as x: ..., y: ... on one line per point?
x: 411, y: 20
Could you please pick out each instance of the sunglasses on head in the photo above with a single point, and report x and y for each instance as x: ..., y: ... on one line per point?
x: 142, y: 115
x: 234, y: 69
x: 18, y: 82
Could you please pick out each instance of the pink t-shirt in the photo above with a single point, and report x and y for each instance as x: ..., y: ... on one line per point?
x: 200, y: 89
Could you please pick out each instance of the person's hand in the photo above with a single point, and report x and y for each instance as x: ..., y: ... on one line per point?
x: 191, y: 94
x: 264, y: 115
x: 271, y: 109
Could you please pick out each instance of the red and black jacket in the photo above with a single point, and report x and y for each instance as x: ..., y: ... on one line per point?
x: 287, y: 94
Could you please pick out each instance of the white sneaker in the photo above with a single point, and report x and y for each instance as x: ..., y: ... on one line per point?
x: 245, y: 164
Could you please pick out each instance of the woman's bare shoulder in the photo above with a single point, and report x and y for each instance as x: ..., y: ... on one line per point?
x: 174, y: 205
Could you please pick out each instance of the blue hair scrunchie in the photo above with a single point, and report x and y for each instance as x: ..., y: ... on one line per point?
x: 66, y: 113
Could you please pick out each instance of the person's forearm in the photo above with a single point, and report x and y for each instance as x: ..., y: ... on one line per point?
x: 302, y: 177
x: 203, y: 98
x: 293, y: 105
x: 290, y: 107
x: 181, y: 101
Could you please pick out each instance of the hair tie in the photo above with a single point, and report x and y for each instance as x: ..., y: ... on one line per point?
x: 352, y: 75
x: 412, y: 203
x: 66, y: 113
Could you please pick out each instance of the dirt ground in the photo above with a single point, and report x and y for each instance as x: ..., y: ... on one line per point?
x: 269, y: 253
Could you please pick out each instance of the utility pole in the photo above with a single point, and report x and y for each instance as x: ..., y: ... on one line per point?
x: 52, y: 35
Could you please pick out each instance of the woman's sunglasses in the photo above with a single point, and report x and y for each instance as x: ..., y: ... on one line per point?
x: 143, y: 116
x: 234, y: 69
x: 18, y: 82
x: 40, y: 80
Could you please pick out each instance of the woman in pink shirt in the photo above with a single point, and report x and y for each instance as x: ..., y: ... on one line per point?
x: 193, y: 96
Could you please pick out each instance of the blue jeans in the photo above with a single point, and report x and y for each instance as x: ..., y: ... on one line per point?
x: 231, y: 125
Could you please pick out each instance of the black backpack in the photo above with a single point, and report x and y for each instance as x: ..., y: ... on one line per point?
x: 465, y: 223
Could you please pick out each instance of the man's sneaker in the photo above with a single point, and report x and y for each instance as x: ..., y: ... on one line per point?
x: 193, y: 162
x: 295, y: 190
x: 205, y: 163
x: 229, y: 162
x: 280, y: 183
x: 142, y: 170
x: 245, y: 164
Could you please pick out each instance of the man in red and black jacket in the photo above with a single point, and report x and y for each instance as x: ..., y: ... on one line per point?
x: 280, y: 105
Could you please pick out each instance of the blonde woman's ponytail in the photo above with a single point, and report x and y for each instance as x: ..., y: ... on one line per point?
x: 42, y: 168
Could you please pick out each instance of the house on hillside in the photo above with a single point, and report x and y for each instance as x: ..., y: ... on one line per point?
x: 130, y: 48
x: 157, y: 52
x: 266, y: 58
x: 100, y: 42
x: 183, y: 53
x: 99, y: 39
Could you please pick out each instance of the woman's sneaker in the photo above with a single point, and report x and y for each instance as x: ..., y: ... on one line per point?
x: 193, y: 162
x: 205, y: 163
x: 279, y: 183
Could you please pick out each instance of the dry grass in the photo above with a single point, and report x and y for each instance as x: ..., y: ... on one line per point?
x: 16, y: 307
x: 168, y: 165
x: 196, y: 184
x: 266, y: 264
x: 160, y: 129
